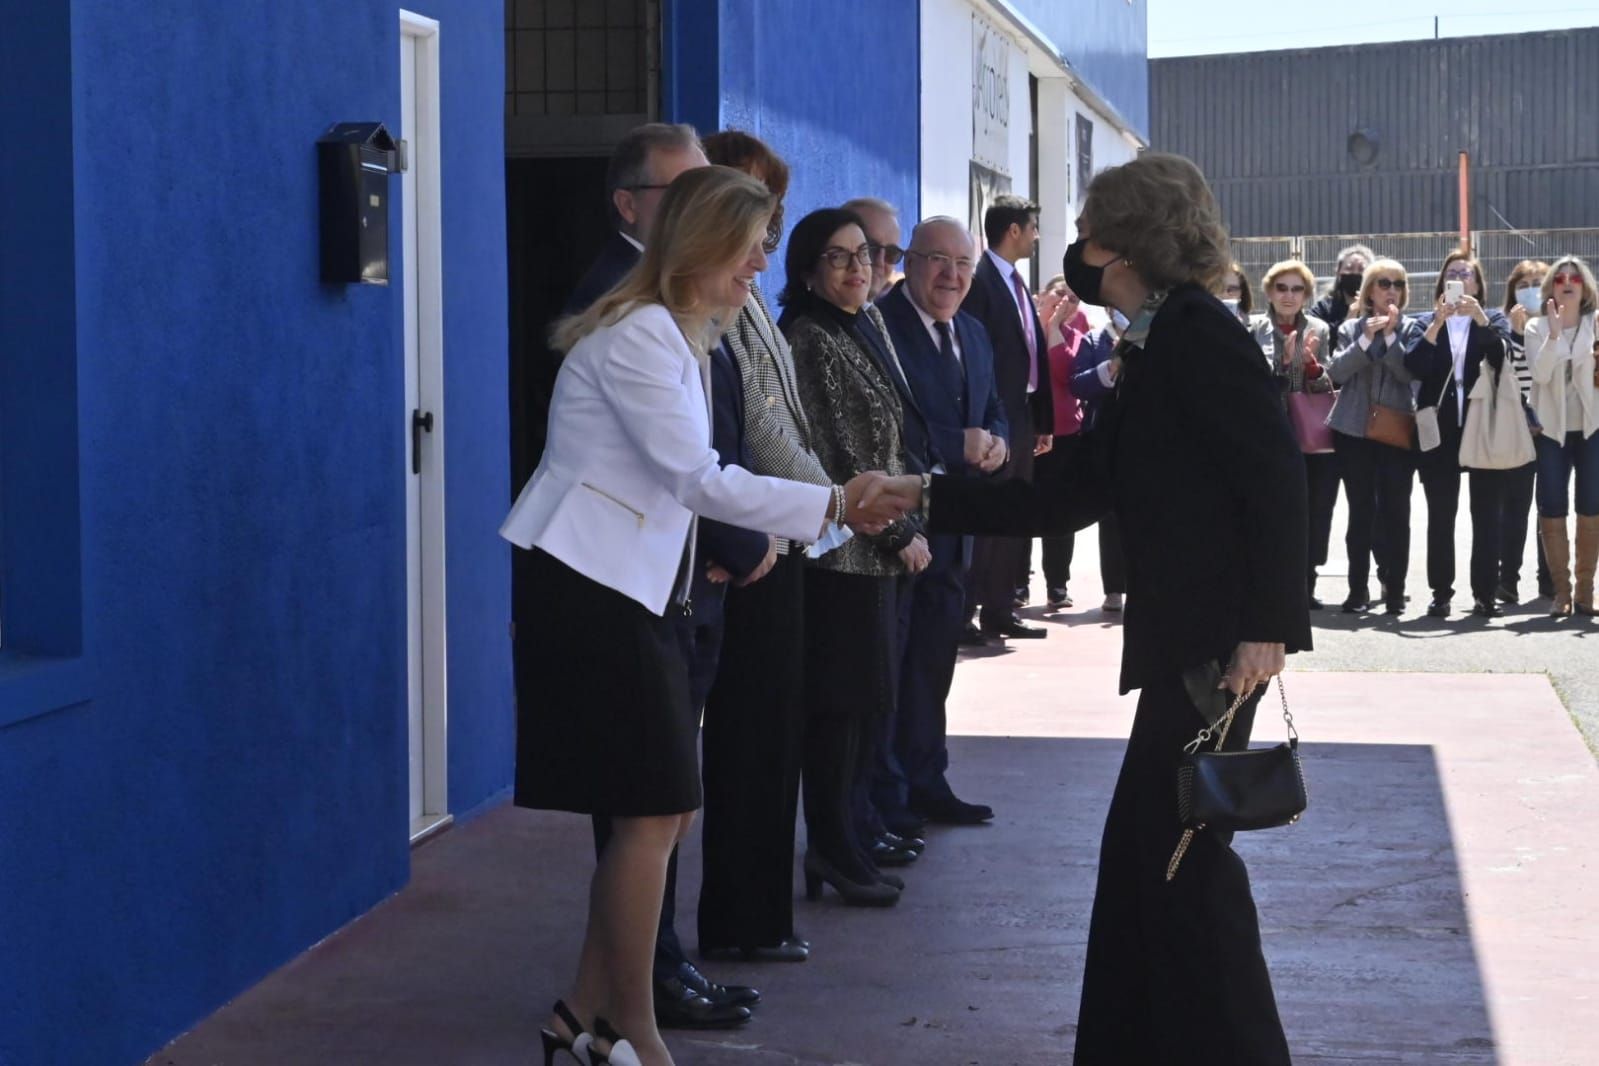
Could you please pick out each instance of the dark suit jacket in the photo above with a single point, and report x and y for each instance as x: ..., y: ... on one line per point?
x: 993, y: 303
x: 1194, y: 453
x: 1433, y: 366
x: 915, y: 434
x: 615, y: 260
x: 738, y: 551
x: 945, y: 414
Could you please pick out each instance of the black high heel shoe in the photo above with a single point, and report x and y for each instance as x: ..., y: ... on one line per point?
x: 856, y: 894
x: 580, y: 1047
x: 621, y: 1053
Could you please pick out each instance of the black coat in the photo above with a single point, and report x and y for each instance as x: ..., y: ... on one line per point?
x: 1433, y: 366
x: 1194, y: 454
x: 615, y: 260
x: 993, y: 303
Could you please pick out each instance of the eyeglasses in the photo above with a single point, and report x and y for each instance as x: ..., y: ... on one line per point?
x: 642, y: 188
x: 1233, y: 290
x: 1568, y: 279
x: 1389, y: 283
x: 1461, y: 274
x: 891, y: 253
x: 840, y: 258
x: 1285, y: 289
x: 941, y: 262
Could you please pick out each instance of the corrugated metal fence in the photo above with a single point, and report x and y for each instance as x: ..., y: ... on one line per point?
x: 1422, y: 253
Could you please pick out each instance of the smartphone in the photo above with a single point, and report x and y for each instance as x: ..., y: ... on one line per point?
x: 1530, y: 298
x: 1453, y: 291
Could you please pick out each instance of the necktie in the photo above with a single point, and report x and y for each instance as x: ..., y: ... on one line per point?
x: 953, y: 372
x: 1024, y: 308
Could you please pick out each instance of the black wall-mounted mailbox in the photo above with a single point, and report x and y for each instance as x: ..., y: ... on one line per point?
x: 354, y: 161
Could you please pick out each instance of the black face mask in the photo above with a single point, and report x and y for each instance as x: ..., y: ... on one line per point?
x: 1348, y: 285
x: 1081, y: 278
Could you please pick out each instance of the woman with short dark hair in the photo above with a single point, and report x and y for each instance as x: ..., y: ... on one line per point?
x: 1237, y: 295
x: 1339, y: 302
x: 1222, y: 590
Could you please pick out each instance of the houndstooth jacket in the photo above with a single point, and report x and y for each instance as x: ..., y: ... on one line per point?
x: 778, y: 432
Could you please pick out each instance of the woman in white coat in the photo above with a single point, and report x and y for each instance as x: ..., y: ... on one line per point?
x: 1560, y: 350
x: 609, y: 515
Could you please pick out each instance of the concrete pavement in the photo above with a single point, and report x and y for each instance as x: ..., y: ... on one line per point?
x: 1434, y: 906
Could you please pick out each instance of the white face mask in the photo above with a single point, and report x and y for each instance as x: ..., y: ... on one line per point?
x: 1530, y: 298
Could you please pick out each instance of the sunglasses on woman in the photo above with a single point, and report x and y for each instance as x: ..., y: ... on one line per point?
x: 1279, y: 287
x: 1568, y: 279
x: 1389, y: 283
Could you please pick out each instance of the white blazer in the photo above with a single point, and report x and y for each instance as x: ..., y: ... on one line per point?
x: 1548, y: 359
x: 628, y: 463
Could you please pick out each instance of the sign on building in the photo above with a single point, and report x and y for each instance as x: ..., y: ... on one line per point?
x: 990, y: 96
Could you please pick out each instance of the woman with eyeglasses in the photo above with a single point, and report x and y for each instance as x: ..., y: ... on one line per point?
x: 1294, y: 343
x: 1368, y: 368
x: 846, y: 369
x: 1235, y: 292
x: 1339, y: 302
x: 1565, y: 397
x: 1460, y: 336
x: 1523, y: 298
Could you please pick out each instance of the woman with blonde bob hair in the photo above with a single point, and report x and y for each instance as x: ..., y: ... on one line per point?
x: 1196, y: 459
x: 1565, y: 396
x: 1368, y: 367
x: 1294, y: 343
x: 609, y: 516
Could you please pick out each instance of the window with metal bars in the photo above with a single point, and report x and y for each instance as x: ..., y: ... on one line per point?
x: 575, y: 57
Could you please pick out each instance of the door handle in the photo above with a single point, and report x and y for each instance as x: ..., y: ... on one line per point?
x: 421, y: 422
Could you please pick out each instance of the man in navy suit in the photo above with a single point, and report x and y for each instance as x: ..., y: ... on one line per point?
x: 948, y: 367
x: 1002, y: 301
x: 642, y: 166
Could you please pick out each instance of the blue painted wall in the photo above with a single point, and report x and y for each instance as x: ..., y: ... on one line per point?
x: 234, y: 786
x: 829, y: 85
x: 1107, y: 41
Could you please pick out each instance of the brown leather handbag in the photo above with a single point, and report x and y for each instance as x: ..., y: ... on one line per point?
x: 1391, y: 426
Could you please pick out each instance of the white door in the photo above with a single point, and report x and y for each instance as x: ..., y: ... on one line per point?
x: 423, y: 419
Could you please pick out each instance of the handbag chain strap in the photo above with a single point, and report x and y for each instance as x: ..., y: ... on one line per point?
x: 1223, y: 726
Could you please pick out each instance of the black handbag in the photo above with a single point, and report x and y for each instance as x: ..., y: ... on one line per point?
x: 1231, y: 791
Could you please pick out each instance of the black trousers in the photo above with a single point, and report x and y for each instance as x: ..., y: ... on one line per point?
x: 1440, y: 480
x: 851, y: 634
x: 1174, y: 971
x: 1112, y: 560
x: 1493, y: 499
x: 751, y: 751
x: 1377, y: 480
x: 1516, y: 516
x: 1058, y: 551
x: 1321, y: 483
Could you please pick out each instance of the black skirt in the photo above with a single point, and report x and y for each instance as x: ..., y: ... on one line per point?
x: 608, y: 728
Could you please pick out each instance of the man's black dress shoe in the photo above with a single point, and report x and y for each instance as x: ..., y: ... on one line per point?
x: 915, y: 843
x: 679, y: 1007
x: 1507, y: 593
x: 1022, y: 595
x: 1357, y: 602
x: 972, y: 637
x: 1486, y: 609
x: 1394, y: 607
x: 1015, y: 629
x: 903, y: 824
x: 950, y: 810
x: 791, y: 950
x: 885, y: 854
x: 720, y: 995
x: 1439, y: 608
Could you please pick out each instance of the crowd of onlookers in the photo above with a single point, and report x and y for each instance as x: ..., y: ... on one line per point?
x: 689, y: 414
x: 1385, y: 386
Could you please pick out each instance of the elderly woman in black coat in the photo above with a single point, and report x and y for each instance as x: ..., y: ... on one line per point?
x: 1195, y: 456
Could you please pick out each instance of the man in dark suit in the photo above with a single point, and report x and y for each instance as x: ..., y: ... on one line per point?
x: 642, y: 166
x: 1001, y: 300
x: 948, y: 367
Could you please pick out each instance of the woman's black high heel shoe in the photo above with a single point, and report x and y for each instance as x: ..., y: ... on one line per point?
x: 856, y: 894
x: 580, y: 1047
x: 621, y: 1053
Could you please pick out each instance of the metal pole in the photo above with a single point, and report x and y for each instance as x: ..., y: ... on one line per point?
x: 1465, y: 202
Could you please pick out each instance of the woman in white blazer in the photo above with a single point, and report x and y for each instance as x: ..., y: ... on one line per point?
x: 1560, y: 350
x: 609, y: 515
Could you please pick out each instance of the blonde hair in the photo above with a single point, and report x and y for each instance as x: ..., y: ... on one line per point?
x: 709, y: 218
x: 1590, y: 293
x: 1379, y: 268
x: 1159, y: 213
x: 1288, y: 266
